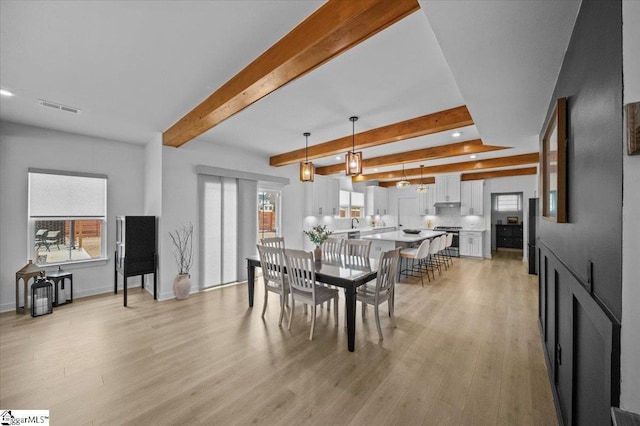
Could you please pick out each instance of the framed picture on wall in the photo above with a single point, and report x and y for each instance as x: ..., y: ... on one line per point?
x: 632, y: 111
x: 554, y: 165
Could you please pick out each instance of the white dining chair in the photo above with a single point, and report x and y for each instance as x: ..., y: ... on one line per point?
x: 302, y: 282
x: 332, y: 248
x: 272, y: 263
x: 382, y: 290
x: 277, y: 242
x: 357, y: 249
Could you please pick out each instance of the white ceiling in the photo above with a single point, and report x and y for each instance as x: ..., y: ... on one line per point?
x: 136, y: 67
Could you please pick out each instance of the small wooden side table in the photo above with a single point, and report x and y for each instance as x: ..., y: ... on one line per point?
x: 58, y: 278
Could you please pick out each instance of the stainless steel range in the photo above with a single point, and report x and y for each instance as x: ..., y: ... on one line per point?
x: 455, y: 245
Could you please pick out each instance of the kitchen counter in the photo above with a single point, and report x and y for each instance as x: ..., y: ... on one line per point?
x: 386, y: 241
x: 402, y: 237
x: 364, y: 230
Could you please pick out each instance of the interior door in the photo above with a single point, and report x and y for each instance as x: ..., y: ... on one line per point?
x: 407, y: 208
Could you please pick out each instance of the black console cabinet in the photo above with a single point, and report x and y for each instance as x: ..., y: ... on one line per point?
x: 509, y: 236
x: 135, y: 250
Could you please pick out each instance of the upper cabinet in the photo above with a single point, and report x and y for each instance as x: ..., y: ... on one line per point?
x: 426, y: 201
x: 448, y: 188
x: 377, y: 200
x: 322, y: 197
x: 472, y: 197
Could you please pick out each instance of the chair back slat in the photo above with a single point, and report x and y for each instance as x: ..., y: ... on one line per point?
x: 273, y: 242
x: 332, y: 248
x: 356, y: 249
x: 387, y: 271
x: 300, y: 271
x: 272, y: 263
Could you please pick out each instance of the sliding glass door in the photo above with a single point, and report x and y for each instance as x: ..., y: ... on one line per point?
x: 268, y: 213
x: 218, y: 230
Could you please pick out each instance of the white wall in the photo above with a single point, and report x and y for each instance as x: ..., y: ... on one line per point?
x: 24, y: 146
x: 630, y: 332
x: 153, y: 176
x: 528, y: 185
x: 180, y: 199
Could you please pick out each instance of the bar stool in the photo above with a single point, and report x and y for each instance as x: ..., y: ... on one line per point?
x: 432, y: 261
x: 448, y: 247
x: 419, y: 254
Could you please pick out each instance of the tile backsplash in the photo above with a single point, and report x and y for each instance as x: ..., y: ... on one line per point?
x: 447, y: 216
x: 450, y: 216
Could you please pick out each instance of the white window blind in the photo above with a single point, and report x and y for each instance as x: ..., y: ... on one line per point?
x: 508, y: 203
x: 219, y: 210
x: 63, y: 194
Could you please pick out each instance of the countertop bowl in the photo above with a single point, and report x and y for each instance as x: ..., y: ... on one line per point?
x: 411, y: 231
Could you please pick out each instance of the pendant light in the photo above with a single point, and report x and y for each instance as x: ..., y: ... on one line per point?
x: 422, y: 187
x: 353, y: 159
x: 306, y: 168
x: 404, y: 183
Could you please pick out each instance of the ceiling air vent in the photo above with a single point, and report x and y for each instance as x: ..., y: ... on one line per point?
x: 58, y: 106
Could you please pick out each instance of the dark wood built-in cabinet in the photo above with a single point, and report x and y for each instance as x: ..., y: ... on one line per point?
x: 509, y: 236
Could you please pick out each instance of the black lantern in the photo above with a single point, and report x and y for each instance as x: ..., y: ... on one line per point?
x: 41, y: 297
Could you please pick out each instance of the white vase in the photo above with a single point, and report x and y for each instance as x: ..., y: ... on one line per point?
x: 182, y: 286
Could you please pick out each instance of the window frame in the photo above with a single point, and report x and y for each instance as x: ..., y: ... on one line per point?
x: 518, y: 202
x: 32, y: 250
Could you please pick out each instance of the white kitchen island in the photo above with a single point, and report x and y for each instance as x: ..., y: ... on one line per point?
x: 390, y: 240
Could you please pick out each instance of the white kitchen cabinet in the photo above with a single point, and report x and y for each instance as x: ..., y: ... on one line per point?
x: 332, y: 197
x: 322, y: 197
x: 470, y: 243
x: 377, y: 200
x: 472, y: 197
x: 426, y: 201
x: 448, y: 188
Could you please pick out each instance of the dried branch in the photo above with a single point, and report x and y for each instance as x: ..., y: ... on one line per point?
x: 182, y: 240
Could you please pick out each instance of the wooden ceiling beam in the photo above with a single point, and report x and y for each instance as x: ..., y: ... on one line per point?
x: 426, y: 181
x: 491, y: 163
x: 472, y: 176
x: 500, y: 173
x: 473, y: 146
x: 427, y: 124
x: 334, y: 28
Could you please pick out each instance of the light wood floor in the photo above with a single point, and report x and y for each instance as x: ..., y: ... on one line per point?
x: 466, y: 351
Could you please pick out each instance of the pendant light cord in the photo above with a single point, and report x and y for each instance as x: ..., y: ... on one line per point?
x: 306, y: 147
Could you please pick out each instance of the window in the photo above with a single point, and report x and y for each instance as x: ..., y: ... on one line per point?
x: 351, y: 204
x: 508, y: 203
x: 67, y: 216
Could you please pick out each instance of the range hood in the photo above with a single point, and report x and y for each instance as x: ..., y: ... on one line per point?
x: 448, y: 204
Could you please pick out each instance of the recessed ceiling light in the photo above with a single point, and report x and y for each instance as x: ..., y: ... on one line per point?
x: 5, y: 92
x: 456, y: 134
x: 338, y: 157
x: 473, y: 156
x: 375, y: 170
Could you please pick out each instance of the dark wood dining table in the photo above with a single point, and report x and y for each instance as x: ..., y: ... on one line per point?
x: 339, y: 272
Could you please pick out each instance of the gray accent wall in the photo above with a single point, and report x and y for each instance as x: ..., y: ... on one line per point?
x: 580, y: 311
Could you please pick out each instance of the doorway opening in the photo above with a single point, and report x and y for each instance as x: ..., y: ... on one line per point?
x: 268, y: 213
